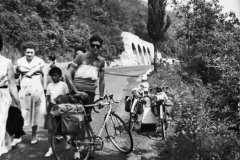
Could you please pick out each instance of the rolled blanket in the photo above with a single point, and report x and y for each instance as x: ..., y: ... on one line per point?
x: 67, y: 108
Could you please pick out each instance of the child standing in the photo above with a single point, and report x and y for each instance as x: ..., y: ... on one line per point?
x: 54, y: 89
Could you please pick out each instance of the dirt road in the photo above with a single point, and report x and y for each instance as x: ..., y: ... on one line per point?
x: 119, y: 81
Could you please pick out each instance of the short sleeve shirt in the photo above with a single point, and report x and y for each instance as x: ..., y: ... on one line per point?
x: 56, y: 89
x: 3, y: 70
x: 24, y: 66
x: 87, y: 72
x: 83, y: 59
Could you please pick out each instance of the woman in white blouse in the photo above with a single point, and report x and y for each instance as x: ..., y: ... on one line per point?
x: 31, y: 94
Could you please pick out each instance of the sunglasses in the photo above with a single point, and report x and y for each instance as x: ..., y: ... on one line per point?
x: 95, y: 46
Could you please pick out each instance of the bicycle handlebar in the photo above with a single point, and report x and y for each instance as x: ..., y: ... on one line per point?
x: 108, y: 97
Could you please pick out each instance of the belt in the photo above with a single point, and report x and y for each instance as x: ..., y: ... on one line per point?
x: 5, y: 86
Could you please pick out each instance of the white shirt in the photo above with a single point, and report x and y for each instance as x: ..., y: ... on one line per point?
x: 24, y: 66
x: 3, y: 70
x: 56, y: 89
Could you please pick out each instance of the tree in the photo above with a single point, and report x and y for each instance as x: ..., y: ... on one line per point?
x: 210, y: 44
x: 157, y: 23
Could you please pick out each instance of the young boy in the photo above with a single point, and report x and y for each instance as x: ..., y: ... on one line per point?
x: 54, y: 89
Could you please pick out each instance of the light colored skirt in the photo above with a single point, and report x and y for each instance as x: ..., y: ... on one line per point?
x: 33, y: 101
x: 5, y: 101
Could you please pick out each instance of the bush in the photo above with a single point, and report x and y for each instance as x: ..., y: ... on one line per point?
x: 197, y: 134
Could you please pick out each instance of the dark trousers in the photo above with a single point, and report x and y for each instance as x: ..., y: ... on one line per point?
x: 89, y: 100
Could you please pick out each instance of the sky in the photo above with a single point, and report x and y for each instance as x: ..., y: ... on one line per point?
x: 231, y: 5
x: 228, y: 5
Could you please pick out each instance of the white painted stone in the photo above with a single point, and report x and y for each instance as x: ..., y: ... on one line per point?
x: 137, y: 51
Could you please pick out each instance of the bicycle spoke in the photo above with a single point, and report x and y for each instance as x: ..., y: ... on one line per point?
x: 60, y: 151
x: 65, y: 149
x: 119, y: 134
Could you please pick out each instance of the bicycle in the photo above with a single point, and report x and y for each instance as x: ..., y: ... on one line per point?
x: 159, y: 110
x: 116, y: 130
x: 138, y: 99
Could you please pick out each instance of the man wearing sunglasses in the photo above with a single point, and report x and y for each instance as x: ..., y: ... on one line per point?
x: 89, y: 66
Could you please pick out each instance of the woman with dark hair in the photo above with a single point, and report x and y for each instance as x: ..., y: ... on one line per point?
x: 31, y: 94
x: 7, y: 89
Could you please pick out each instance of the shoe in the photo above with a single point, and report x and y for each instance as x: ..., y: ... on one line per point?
x: 16, y: 141
x: 34, y: 141
x: 49, y: 153
x: 67, y: 145
x: 4, y: 150
x: 77, y: 156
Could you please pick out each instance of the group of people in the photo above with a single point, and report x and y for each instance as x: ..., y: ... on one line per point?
x: 31, y: 98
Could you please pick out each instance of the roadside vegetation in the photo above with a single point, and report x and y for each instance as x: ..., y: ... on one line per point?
x: 205, y: 89
x: 57, y: 26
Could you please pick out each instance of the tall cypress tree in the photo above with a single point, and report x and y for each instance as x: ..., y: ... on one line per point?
x: 157, y: 24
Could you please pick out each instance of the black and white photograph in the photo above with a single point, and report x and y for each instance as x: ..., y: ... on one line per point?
x: 120, y: 79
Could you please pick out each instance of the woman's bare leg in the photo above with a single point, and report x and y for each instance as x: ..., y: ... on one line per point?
x: 34, y: 132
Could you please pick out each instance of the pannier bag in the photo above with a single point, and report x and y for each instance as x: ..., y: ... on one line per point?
x: 139, y: 107
x: 128, y: 103
x: 72, y: 117
x: 73, y: 124
x: 156, y: 108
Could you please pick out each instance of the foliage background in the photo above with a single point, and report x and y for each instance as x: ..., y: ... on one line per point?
x: 59, y: 25
x: 206, y: 90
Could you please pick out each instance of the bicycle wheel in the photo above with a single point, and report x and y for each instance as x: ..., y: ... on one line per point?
x: 70, y: 147
x: 163, y: 128
x: 119, y: 134
x: 163, y: 121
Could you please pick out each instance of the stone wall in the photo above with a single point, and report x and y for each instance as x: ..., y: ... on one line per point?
x: 137, y: 51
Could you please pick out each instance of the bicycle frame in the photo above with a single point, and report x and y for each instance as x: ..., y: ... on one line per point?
x: 161, y: 112
x: 162, y: 119
x: 106, y: 119
x: 109, y: 104
x: 84, y: 143
x: 133, y: 105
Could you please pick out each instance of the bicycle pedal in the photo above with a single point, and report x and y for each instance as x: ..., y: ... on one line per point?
x: 98, y: 143
x: 107, y: 139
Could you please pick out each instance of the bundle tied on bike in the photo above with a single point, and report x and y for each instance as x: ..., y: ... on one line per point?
x: 129, y: 100
x: 71, y: 114
x: 158, y: 100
